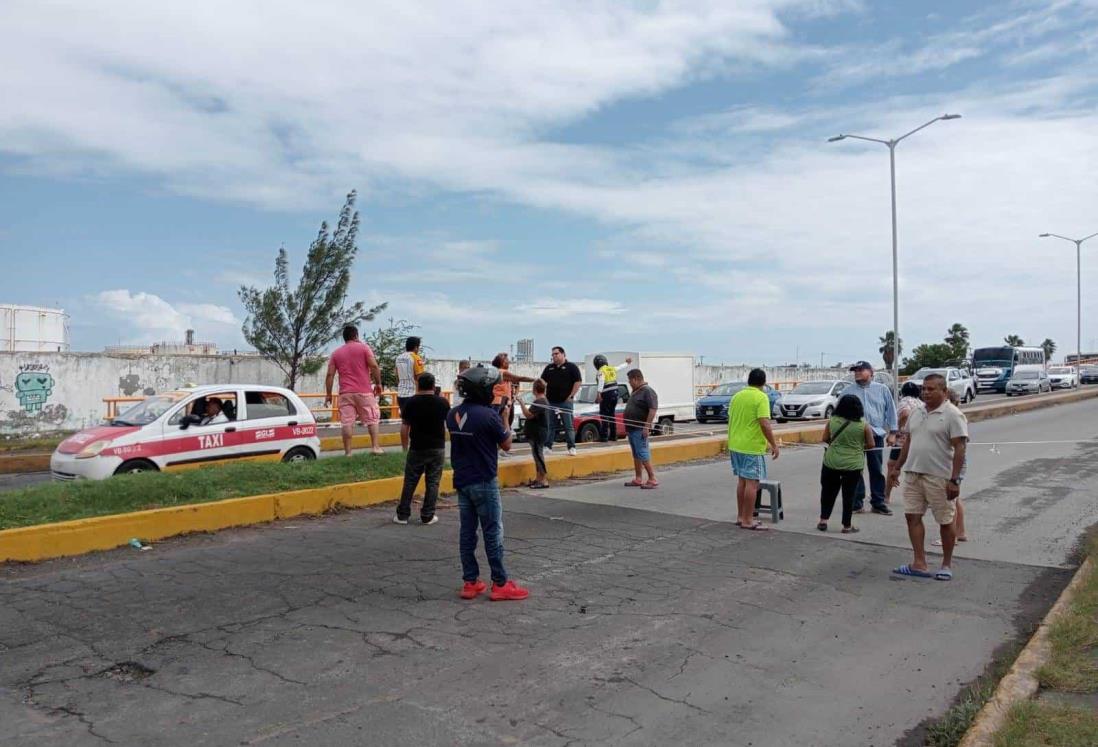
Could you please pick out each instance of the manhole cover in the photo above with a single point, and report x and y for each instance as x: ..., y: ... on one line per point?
x: 127, y: 671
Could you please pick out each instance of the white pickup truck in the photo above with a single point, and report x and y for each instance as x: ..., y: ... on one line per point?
x: 957, y: 379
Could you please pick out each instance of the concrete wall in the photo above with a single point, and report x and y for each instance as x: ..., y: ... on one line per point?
x: 44, y: 392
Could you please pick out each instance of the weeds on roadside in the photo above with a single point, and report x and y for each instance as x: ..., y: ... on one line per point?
x: 1034, y: 724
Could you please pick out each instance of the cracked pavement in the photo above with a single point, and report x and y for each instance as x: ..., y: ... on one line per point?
x: 659, y: 626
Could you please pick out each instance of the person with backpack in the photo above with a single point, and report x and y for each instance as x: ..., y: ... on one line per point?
x: 847, y: 436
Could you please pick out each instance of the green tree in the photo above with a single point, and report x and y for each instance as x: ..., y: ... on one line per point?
x: 388, y: 343
x: 291, y: 327
x: 886, y: 349
x: 957, y: 338
x: 1049, y: 346
x: 1014, y: 341
x: 935, y: 355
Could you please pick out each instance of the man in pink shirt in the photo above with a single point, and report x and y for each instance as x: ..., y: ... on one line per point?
x: 355, y: 363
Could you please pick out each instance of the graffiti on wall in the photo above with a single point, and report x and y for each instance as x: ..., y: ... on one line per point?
x: 33, y: 386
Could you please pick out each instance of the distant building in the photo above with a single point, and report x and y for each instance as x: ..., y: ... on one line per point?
x: 524, y: 350
x: 33, y: 329
x: 187, y: 347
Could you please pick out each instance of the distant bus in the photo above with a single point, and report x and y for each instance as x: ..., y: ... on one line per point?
x: 993, y: 367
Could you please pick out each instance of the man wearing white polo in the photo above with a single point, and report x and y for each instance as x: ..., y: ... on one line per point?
x: 932, y: 459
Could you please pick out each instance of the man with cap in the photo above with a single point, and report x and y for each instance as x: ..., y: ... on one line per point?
x: 880, y: 413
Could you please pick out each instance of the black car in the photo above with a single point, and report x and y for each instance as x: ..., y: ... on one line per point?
x: 1088, y: 375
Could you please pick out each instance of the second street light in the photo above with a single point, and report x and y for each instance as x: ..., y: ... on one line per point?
x: 1078, y: 297
x: 891, y: 144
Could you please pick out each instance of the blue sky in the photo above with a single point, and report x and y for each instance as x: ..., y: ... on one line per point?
x: 647, y: 175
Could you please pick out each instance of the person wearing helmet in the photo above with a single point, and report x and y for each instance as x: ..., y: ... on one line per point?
x: 606, y: 395
x: 476, y: 433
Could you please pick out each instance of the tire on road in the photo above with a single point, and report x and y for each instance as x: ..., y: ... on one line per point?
x: 299, y: 454
x: 588, y: 433
x: 135, y: 466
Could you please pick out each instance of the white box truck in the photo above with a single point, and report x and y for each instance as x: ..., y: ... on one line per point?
x: 670, y: 374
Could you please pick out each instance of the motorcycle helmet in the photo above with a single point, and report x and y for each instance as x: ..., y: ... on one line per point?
x: 475, y: 384
x: 600, y: 361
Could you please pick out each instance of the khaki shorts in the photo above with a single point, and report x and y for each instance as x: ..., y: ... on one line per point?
x: 921, y: 490
x: 364, y: 407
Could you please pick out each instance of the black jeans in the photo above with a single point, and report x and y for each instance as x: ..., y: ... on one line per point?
x: 608, y: 424
x: 874, y: 460
x: 536, y: 437
x: 421, y: 462
x: 831, y: 481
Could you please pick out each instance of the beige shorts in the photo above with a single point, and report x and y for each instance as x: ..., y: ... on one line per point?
x: 363, y: 407
x: 921, y: 491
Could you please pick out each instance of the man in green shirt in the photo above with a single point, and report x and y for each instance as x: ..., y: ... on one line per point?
x: 749, y: 438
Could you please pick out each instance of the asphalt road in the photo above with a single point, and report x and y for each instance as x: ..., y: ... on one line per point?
x: 652, y: 619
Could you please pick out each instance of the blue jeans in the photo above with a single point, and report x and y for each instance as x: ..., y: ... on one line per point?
x: 562, y: 411
x: 479, y: 504
x: 874, y: 461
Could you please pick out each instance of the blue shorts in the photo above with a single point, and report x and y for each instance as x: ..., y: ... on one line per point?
x: 748, y: 466
x: 639, y: 444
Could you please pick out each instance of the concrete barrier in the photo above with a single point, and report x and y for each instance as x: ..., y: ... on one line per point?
x: 106, y: 532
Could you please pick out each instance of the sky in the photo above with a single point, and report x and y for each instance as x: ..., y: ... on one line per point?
x: 651, y: 176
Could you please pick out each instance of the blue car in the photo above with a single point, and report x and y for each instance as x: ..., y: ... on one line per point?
x: 714, y: 406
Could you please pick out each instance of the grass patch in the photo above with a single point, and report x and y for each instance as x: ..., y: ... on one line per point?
x: 1073, y: 666
x: 1032, y: 724
x: 52, y: 502
x: 950, y: 729
x: 15, y: 445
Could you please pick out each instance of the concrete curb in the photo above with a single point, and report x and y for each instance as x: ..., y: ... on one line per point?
x: 1021, y: 683
x: 76, y: 537
x: 18, y: 463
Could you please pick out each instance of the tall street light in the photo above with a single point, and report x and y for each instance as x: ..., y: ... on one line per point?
x: 1078, y: 292
x: 895, y: 272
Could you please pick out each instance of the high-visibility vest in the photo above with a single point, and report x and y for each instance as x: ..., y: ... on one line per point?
x: 609, y: 376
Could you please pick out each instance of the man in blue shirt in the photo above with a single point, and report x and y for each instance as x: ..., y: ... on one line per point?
x: 880, y: 413
x: 476, y: 434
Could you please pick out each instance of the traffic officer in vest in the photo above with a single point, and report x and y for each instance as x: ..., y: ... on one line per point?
x: 606, y: 395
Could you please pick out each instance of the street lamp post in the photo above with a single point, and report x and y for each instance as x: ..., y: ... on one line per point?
x: 891, y: 144
x: 1078, y: 292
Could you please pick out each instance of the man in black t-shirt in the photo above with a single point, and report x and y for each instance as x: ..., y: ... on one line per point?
x: 562, y: 379
x: 423, y: 425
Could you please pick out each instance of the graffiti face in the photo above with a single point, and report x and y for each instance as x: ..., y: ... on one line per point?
x: 33, y: 388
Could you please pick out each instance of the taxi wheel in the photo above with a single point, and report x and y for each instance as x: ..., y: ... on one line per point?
x: 588, y: 433
x: 299, y: 454
x: 135, y: 466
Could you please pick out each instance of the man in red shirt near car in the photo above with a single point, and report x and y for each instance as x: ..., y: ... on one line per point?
x: 356, y: 365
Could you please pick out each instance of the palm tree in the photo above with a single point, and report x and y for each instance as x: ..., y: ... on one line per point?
x: 1049, y: 346
x: 887, y: 348
x: 1014, y: 341
x: 957, y: 338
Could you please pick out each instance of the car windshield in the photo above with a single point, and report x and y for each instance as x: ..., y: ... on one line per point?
x: 1026, y: 375
x: 727, y: 390
x: 586, y: 394
x: 148, y: 410
x: 1060, y: 370
x: 922, y: 373
x: 813, y: 387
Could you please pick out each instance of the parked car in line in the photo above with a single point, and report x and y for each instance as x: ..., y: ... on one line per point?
x: 1063, y: 377
x: 166, y: 431
x: 1028, y: 382
x: 810, y: 400
x: 1088, y: 375
x: 714, y: 406
x: 958, y: 380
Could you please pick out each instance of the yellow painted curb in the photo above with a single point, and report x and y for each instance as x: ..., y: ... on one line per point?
x: 1021, y: 683
x: 105, y: 532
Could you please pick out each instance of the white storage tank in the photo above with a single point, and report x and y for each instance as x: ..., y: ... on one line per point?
x: 32, y: 329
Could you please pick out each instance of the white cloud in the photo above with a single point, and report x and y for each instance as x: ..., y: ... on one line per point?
x: 148, y: 318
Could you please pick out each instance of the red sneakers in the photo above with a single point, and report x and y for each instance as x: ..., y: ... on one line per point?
x: 508, y: 592
x: 473, y: 589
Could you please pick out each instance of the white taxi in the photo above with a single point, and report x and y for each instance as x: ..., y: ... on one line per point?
x: 184, y: 428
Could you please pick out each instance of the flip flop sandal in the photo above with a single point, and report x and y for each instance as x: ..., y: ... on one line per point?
x: 758, y: 526
x: 539, y: 487
x: 650, y: 486
x: 850, y: 530
x: 944, y: 575
x: 907, y: 570
x: 634, y: 484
